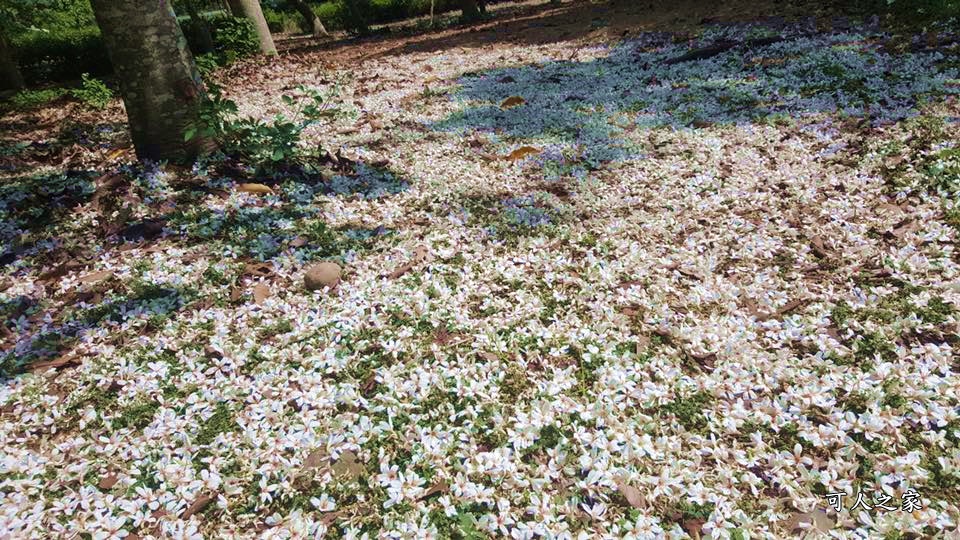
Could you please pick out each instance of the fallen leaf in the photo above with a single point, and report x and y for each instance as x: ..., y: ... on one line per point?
x: 254, y: 188
x: 419, y: 255
x: 63, y: 361
x: 693, y: 527
x: 260, y: 293
x: 298, y: 242
x: 115, y: 154
x: 522, y: 152
x: 348, y: 467
x: 315, y: 459
x: 632, y: 495
x: 902, y: 229
x: 704, y: 360
x: 198, y: 505
x: 512, y: 101
x: 258, y: 269
x: 108, y: 481
x: 236, y: 293
x: 440, y: 487
x: 96, y: 277
x: 818, y: 248
x: 815, y: 519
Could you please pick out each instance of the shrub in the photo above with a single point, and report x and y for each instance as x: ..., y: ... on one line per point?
x: 285, y: 22
x: 93, y: 92
x: 236, y: 35
x: 28, y: 99
x: 61, y: 54
x: 265, y: 146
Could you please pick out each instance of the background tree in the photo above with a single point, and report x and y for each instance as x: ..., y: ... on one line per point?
x: 251, y: 9
x: 200, y: 30
x: 10, y: 77
x: 159, y: 82
x: 316, y: 25
x: 470, y: 9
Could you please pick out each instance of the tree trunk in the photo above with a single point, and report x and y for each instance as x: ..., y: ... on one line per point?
x: 315, y: 24
x: 236, y: 9
x: 200, y: 28
x: 161, y: 87
x: 471, y: 10
x: 10, y: 77
x: 251, y: 10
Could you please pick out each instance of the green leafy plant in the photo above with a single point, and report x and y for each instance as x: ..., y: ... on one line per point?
x: 264, y: 145
x: 235, y: 35
x: 93, y: 92
x: 29, y: 99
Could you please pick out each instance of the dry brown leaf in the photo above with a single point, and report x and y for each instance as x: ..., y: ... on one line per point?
x: 254, y: 188
x: 816, y: 519
x: 522, y: 152
x: 904, y: 228
x: 67, y: 360
x: 298, y: 242
x: 236, y: 293
x: 693, y: 527
x: 632, y: 495
x: 198, y: 505
x: 260, y: 293
x: 315, y: 459
x: 512, y: 101
x: 706, y: 361
x: 108, y: 481
x: 348, y: 466
x: 258, y: 269
x: 96, y: 277
x: 440, y: 487
x: 818, y: 247
x: 419, y: 255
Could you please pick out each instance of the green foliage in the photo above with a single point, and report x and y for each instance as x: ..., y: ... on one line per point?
x: 61, y: 53
x: 93, y: 92
x: 29, y: 99
x: 221, y: 421
x: 255, y: 142
x: 286, y: 22
x: 207, y: 63
x: 235, y: 36
x: 689, y: 410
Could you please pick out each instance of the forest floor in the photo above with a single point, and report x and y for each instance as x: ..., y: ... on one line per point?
x: 591, y: 287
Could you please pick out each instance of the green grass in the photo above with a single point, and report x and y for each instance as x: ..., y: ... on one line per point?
x: 221, y: 421
x: 689, y: 411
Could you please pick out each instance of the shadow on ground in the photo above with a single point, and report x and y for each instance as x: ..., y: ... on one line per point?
x: 585, y: 110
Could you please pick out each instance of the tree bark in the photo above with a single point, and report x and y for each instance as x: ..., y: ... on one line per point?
x: 10, y: 76
x: 315, y: 24
x: 200, y: 27
x: 161, y: 88
x: 470, y: 9
x: 236, y: 9
x: 251, y: 10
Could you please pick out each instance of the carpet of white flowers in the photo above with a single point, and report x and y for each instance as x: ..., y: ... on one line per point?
x: 587, y: 292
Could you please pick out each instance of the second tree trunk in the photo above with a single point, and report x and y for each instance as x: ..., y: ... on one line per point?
x: 316, y: 26
x: 251, y: 10
x: 10, y: 77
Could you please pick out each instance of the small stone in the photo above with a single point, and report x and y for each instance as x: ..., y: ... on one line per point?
x: 320, y: 275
